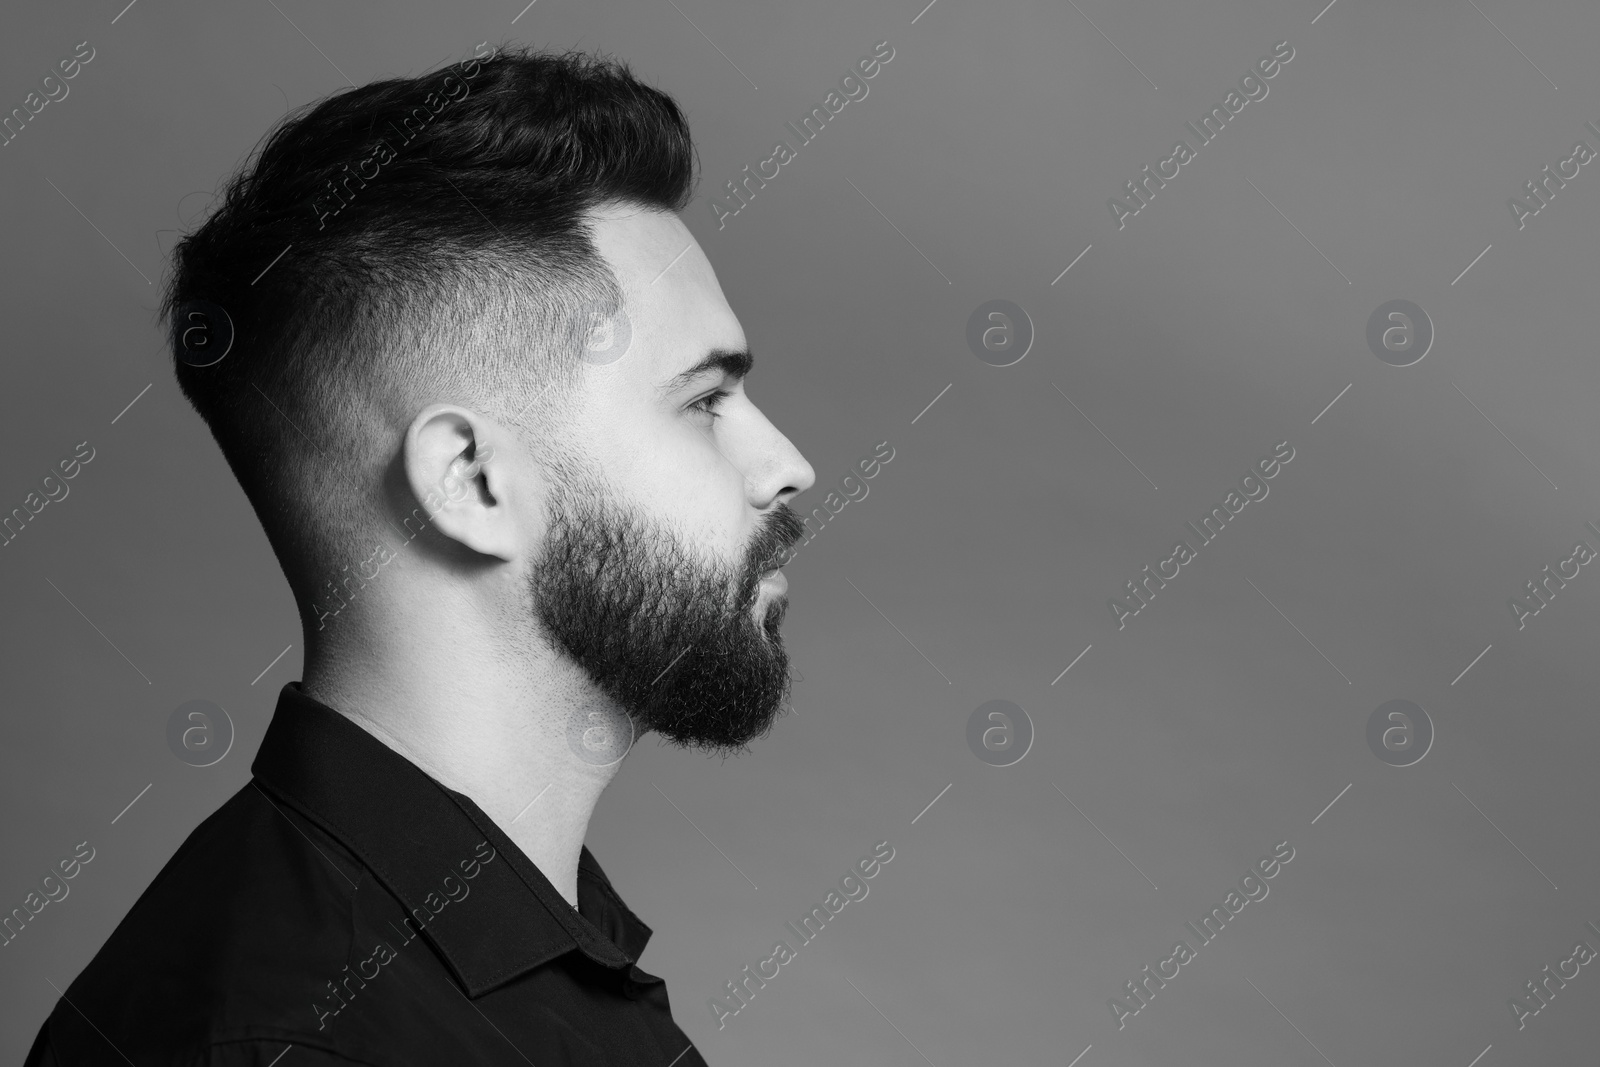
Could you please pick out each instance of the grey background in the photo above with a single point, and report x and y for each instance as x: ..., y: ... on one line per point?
x: 1195, y: 339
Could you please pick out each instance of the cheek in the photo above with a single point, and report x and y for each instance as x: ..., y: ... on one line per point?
x: 701, y: 505
x: 703, y: 498
x: 673, y: 470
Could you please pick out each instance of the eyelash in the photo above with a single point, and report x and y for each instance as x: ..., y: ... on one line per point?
x: 709, y: 402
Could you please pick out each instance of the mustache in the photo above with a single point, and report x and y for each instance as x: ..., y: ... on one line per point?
x: 780, y: 531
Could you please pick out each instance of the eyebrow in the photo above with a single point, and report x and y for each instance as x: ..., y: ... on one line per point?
x: 734, y: 364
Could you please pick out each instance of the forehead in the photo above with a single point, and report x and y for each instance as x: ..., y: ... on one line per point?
x: 675, y: 304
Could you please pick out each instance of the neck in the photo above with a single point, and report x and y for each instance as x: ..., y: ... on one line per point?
x: 496, y: 734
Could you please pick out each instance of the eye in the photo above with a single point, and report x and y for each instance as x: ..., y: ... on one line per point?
x: 709, y: 402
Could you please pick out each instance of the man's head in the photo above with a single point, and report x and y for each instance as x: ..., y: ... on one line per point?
x: 474, y: 347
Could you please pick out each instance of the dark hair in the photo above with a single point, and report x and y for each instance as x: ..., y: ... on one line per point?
x: 412, y: 240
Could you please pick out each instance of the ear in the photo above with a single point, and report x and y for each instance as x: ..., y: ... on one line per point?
x: 451, y: 468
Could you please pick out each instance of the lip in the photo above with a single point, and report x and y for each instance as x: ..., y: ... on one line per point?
x: 775, y: 581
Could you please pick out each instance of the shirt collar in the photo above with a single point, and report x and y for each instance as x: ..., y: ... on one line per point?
x: 412, y: 832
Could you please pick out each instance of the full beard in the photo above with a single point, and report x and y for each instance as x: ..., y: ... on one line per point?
x: 667, y: 636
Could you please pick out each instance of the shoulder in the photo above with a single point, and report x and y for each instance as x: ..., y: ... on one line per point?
x: 222, y: 952
x: 227, y: 1054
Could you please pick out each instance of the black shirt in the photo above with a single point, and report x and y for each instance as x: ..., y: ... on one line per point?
x: 344, y: 907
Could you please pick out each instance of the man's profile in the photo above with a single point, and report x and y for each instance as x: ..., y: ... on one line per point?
x: 485, y: 394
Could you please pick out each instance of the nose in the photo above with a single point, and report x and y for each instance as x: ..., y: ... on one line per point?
x: 782, y: 473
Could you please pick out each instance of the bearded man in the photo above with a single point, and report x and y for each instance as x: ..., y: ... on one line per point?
x: 486, y: 396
